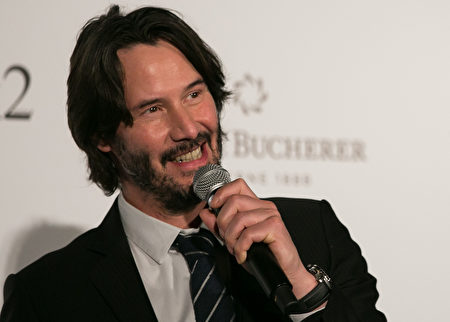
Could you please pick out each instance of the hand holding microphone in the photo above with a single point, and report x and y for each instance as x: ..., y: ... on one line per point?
x: 254, y: 233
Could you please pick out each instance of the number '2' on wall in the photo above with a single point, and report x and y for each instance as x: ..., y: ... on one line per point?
x: 11, y: 111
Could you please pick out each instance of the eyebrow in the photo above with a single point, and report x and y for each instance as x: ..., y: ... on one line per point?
x: 156, y: 100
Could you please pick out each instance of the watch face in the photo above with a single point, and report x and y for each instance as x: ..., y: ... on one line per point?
x: 326, y: 279
x: 319, y: 275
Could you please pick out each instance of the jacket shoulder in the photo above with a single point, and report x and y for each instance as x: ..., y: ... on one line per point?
x: 66, y: 258
x: 295, y: 210
x: 82, y: 251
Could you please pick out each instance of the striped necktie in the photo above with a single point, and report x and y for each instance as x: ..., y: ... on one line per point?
x: 212, y: 301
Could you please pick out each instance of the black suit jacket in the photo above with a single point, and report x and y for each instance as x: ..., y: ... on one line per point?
x: 95, y: 278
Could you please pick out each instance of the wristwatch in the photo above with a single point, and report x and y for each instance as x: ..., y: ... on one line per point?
x: 318, y: 295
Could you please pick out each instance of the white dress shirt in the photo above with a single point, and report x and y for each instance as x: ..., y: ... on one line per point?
x: 163, y: 271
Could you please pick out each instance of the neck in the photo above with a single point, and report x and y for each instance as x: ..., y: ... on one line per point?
x: 152, y: 207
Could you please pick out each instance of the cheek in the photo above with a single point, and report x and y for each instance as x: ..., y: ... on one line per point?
x: 140, y: 138
x: 208, y: 115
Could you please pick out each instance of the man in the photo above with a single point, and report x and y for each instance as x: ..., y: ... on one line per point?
x: 145, y: 95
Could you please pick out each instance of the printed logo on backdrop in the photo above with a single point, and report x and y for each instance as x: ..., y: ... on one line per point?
x: 14, y: 85
x: 249, y: 94
x: 251, y: 97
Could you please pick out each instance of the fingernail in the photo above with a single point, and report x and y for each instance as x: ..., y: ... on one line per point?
x: 241, y: 257
x: 214, y: 201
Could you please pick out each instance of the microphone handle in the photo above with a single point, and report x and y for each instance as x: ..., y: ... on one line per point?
x: 262, y: 264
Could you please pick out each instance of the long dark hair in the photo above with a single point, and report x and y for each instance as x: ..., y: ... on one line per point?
x: 96, y: 103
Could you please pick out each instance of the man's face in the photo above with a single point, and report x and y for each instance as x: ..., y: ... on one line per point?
x: 175, y: 129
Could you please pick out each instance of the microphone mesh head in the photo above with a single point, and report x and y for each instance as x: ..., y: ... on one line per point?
x: 209, y: 178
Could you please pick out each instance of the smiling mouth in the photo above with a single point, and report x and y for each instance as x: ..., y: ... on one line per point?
x: 190, y: 156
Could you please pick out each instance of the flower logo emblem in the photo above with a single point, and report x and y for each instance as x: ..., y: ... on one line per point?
x: 249, y: 94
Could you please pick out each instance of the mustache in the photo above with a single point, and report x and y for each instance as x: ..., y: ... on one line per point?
x: 184, y: 147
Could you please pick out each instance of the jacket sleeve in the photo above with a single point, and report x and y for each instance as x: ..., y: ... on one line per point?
x: 354, y: 294
x: 17, y: 305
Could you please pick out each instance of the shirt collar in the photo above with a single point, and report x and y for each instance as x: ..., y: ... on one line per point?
x: 153, y: 236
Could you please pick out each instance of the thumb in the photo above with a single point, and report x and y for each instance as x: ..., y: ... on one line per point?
x: 209, y: 220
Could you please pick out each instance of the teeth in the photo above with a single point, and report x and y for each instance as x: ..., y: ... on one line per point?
x: 190, y: 156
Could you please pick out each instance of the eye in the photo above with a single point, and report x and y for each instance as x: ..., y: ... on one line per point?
x: 151, y: 109
x: 194, y: 97
x: 194, y: 94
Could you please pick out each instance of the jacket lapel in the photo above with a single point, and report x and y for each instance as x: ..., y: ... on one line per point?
x: 116, y: 276
x: 117, y: 279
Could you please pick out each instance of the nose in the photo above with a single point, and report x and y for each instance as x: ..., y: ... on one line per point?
x: 183, y: 126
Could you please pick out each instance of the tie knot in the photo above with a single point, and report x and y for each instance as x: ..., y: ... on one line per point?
x: 197, y: 244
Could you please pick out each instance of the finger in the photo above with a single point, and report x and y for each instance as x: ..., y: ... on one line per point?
x: 240, y: 203
x: 243, y: 220
x: 261, y: 232
x: 273, y: 232
x: 209, y: 219
x: 236, y: 187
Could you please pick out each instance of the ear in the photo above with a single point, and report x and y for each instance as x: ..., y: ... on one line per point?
x: 103, y: 146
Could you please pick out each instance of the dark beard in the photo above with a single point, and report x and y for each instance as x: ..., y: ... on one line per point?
x: 136, y: 167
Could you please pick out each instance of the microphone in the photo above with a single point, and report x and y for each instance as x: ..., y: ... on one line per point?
x: 260, y: 262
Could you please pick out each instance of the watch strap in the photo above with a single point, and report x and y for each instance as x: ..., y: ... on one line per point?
x: 317, y: 296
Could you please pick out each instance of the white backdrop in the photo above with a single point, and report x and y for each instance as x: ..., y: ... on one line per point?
x: 343, y: 100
